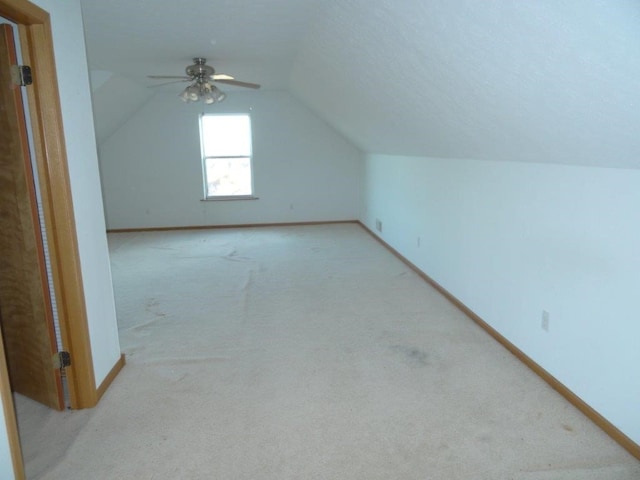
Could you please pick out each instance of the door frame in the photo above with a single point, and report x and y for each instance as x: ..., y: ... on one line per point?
x: 36, y: 41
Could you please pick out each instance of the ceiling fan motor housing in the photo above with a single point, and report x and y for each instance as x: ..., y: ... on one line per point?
x: 199, y: 69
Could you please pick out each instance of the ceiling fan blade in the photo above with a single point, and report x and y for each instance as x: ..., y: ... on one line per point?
x: 167, y: 83
x: 238, y: 83
x: 169, y: 76
x: 221, y: 76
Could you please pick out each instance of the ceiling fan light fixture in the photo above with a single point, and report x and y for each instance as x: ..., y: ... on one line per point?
x: 202, y: 90
x: 184, y: 96
x: 191, y: 94
x: 208, y: 98
x: 194, y: 92
x: 217, y: 95
x: 201, y: 77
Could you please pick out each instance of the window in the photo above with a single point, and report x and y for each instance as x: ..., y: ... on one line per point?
x: 226, y: 156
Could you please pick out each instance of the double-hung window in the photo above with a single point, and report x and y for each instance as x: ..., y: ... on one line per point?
x: 226, y: 156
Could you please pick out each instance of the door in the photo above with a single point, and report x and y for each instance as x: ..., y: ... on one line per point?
x: 25, y: 306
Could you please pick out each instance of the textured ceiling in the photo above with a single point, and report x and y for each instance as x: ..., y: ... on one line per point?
x: 253, y: 40
x: 545, y: 81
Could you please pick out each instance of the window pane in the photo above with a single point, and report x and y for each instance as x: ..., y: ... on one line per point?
x: 228, y: 176
x: 226, y: 135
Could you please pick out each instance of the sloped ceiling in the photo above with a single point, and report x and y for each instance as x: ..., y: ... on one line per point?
x: 545, y: 81
x: 115, y: 100
x: 549, y: 81
x: 253, y: 40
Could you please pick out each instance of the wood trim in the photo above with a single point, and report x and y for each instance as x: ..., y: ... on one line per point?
x: 29, y: 336
x: 10, y: 416
x: 212, y: 227
x: 50, y: 153
x: 113, y: 373
x: 22, y: 12
x: 610, y: 429
x: 51, y: 158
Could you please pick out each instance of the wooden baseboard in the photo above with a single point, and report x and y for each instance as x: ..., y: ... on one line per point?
x: 610, y: 429
x: 108, y: 380
x: 213, y: 227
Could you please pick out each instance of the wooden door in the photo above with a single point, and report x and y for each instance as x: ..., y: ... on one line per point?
x: 25, y: 306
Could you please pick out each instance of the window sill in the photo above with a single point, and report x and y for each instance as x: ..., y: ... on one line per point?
x: 228, y: 198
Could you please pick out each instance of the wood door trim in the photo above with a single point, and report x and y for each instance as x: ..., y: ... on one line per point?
x: 51, y: 158
x: 50, y: 153
x: 26, y: 309
x: 23, y: 12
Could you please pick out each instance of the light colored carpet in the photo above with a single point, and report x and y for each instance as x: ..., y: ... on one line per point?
x: 309, y: 353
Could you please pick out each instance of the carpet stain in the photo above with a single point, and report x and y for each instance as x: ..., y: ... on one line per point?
x: 234, y: 257
x: 568, y: 428
x: 153, y: 302
x: 414, y: 356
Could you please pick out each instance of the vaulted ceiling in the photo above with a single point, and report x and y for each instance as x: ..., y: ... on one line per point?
x: 546, y: 81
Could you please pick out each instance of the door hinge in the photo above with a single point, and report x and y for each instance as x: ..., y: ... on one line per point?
x: 21, y: 75
x: 61, y: 360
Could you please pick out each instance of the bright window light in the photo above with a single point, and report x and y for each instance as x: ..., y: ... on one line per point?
x: 226, y: 156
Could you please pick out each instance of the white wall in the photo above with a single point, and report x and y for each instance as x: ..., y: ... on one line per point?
x: 303, y: 170
x: 510, y: 240
x: 77, y: 116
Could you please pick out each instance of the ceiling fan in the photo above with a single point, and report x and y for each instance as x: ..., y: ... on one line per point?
x: 202, y: 77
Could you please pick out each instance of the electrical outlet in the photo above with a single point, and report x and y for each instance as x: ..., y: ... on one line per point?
x: 378, y: 225
x: 545, y: 321
x: 418, y: 242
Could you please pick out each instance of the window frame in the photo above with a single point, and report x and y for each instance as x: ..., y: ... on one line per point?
x: 204, y: 157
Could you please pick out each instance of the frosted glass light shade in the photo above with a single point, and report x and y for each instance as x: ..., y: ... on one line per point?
x: 204, y: 91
